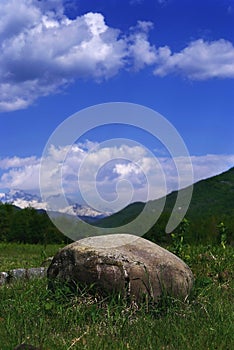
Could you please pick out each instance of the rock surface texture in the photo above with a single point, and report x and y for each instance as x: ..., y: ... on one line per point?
x: 122, y: 263
x: 12, y: 275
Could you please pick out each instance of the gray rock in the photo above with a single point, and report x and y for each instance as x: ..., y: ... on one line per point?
x: 3, y: 278
x: 27, y: 273
x: 36, y: 272
x: 16, y: 274
x: 122, y: 263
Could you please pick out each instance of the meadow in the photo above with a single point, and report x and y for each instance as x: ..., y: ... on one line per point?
x: 30, y: 313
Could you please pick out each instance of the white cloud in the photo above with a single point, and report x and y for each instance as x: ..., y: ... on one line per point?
x: 126, y: 169
x: 200, y: 60
x: 25, y: 177
x: 16, y: 162
x: 42, y: 51
x: 139, y: 48
x: 211, y: 164
x: 120, y: 174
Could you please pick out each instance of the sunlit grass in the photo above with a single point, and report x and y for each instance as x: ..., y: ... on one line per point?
x: 13, y: 255
x: 30, y: 313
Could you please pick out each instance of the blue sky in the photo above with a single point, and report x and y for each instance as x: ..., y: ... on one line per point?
x: 58, y: 57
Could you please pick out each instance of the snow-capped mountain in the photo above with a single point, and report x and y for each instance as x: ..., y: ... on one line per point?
x: 23, y: 200
x: 82, y: 211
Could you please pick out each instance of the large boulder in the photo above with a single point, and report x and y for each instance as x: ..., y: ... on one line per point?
x: 122, y: 263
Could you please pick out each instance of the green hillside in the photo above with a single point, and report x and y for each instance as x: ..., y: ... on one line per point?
x: 212, y: 203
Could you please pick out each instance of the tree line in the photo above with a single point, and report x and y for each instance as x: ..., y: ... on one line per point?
x: 27, y: 225
x: 34, y: 226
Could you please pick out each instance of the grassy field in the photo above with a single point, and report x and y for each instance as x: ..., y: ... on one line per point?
x: 32, y: 314
x: 13, y: 256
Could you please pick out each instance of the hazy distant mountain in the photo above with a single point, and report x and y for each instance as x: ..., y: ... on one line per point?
x: 22, y: 200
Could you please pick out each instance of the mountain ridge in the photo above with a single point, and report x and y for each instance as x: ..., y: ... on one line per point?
x: 22, y: 199
x: 212, y: 202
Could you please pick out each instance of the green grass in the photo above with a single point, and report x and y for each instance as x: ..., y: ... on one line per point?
x: 32, y: 314
x: 13, y: 255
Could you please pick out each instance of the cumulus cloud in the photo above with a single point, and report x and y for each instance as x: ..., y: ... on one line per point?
x: 200, y: 60
x: 22, y: 177
x: 126, y: 169
x: 119, y: 175
x: 139, y: 47
x: 42, y: 51
x: 15, y: 162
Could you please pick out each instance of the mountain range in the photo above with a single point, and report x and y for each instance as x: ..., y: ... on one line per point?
x: 22, y: 200
x: 212, y: 203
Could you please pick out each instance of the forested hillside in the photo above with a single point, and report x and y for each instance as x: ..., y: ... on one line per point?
x: 211, y: 212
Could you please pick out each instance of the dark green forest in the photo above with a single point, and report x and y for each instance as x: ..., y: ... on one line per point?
x: 27, y: 226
